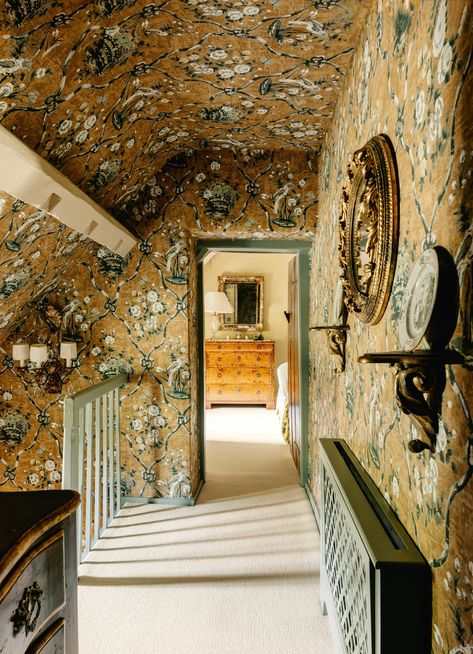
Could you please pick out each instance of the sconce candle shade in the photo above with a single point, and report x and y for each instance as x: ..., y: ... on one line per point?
x: 38, y: 354
x: 217, y: 302
x: 21, y: 353
x: 68, y: 351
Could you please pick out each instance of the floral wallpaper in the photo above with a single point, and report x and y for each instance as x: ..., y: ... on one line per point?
x: 411, y: 79
x: 137, y: 315
x: 109, y: 90
x: 202, y: 119
x: 26, y: 234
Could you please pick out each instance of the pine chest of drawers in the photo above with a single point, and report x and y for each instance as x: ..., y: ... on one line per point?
x: 239, y: 372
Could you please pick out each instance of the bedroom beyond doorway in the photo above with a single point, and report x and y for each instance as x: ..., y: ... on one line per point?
x: 245, y: 343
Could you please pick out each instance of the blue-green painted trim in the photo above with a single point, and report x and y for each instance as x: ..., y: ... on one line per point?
x: 313, y: 505
x: 176, y: 501
x: 303, y: 262
x: 289, y: 246
x: 201, y: 360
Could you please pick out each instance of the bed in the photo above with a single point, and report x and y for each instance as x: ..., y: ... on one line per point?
x: 282, y: 403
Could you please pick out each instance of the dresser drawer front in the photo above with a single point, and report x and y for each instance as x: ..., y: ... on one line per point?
x: 32, y: 593
x: 239, y: 346
x: 50, y: 642
x: 239, y: 375
x: 239, y: 393
x: 237, y: 359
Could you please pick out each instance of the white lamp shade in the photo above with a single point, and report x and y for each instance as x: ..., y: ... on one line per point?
x: 38, y: 353
x: 217, y: 302
x: 68, y: 351
x: 21, y: 353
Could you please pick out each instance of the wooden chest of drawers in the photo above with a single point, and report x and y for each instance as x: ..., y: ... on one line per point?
x: 239, y: 372
x: 38, y: 572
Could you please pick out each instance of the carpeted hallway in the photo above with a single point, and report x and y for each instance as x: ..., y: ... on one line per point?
x: 235, y: 574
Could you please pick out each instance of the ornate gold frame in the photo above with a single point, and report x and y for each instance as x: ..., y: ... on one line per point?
x: 256, y: 279
x: 368, y: 229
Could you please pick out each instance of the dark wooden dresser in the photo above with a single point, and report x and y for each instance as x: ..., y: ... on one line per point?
x: 38, y: 572
x: 239, y: 372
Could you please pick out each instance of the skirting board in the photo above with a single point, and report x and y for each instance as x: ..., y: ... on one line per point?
x: 177, y: 501
x: 315, y: 508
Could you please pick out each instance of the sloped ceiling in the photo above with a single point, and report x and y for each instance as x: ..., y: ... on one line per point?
x: 109, y: 90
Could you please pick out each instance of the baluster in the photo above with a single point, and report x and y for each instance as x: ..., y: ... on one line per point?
x: 80, y: 480
x: 88, y: 483
x: 110, y: 454
x: 117, y: 447
x: 104, y: 465
x: 98, y: 468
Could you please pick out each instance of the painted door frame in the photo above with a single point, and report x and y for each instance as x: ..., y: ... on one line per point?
x: 301, y: 249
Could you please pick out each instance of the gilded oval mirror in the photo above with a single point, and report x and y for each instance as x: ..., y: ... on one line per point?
x: 369, y: 225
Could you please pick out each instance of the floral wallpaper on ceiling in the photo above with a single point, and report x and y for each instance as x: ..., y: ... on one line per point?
x: 109, y: 90
x: 137, y: 315
x: 411, y: 79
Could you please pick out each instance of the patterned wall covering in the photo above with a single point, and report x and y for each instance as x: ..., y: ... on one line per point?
x: 26, y: 234
x: 137, y: 315
x: 109, y: 90
x: 411, y: 80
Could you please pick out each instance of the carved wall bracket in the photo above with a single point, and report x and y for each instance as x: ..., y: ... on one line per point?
x: 420, y: 382
x: 337, y: 339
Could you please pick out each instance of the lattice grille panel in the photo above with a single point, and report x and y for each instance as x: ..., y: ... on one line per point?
x: 348, y: 571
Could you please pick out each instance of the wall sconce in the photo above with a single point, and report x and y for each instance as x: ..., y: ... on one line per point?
x: 216, y: 302
x: 36, y: 366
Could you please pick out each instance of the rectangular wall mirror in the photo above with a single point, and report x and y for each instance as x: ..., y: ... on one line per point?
x: 245, y: 294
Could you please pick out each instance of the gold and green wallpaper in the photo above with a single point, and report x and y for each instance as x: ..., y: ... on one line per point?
x: 199, y: 120
x: 138, y: 315
x: 411, y: 79
x: 109, y: 90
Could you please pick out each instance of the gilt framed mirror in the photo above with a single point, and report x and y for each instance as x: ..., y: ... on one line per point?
x: 369, y: 229
x: 246, y: 295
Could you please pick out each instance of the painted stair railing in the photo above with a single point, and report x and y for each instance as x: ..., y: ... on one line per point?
x: 92, y: 457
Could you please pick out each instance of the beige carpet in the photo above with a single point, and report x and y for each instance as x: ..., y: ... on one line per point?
x: 237, y: 573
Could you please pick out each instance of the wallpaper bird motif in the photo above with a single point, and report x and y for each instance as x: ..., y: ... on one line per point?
x: 205, y: 119
x: 136, y: 314
x: 412, y: 80
x: 109, y: 90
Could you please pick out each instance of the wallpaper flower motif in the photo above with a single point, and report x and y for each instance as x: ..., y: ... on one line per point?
x: 109, y: 90
x: 136, y: 314
x: 411, y: 79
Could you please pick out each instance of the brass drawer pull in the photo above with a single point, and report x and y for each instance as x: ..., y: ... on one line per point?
x: 29, y: 607
x: 258, y: 374
x: 219, y: 375
x: 258, y: 392
x: 219, y: 358
x: 219, y: 347
x: 220, y: 392
x: 258, y: 358
x: 238, y: 358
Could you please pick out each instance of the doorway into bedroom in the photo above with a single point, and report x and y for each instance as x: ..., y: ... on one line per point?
x: 244, y: 349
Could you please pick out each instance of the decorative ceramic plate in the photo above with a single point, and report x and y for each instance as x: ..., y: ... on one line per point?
x: 338, y: 307
x: 419, y: 300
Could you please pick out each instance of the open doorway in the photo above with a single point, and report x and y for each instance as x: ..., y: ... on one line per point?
x: 240, y: 385
x: 246, y: 348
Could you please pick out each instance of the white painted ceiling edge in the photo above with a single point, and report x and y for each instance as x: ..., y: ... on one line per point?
x: 30, y: 178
